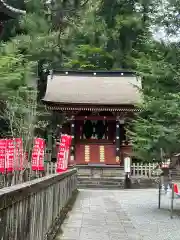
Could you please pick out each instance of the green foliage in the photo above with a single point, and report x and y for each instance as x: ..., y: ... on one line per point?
x: 90, y: 57
x: 157, y: 127
x: 14, y: 72
x: 103, y: 35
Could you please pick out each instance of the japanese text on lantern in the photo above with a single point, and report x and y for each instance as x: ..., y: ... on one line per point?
x: 38, y: 154
x: 63, y: 152
x: 11, y: 155
x: 2, y: 155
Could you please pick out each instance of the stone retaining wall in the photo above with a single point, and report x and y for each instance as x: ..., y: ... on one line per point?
x: 139, y: 182
x: 111, y: 177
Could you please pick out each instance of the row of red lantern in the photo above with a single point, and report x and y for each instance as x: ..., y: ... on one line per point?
x: 12, y: 156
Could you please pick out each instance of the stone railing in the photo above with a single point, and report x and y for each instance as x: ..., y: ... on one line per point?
x: 33, y: 210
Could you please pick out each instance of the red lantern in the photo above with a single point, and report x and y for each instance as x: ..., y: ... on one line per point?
x: 38, y: 155
x: 63, y: 152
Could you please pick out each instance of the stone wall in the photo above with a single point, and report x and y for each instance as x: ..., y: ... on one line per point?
x: 30, y: 211
x: 100, y: 171
x: 140, y: 182
x: 112, y: 177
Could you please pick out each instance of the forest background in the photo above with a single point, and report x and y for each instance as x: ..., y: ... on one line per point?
x: 101, y: 35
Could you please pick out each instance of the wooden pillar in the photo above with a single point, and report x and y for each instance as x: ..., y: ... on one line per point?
x: 122, y: 140
x: 107, y: 130
x: 122, y: 132
x: 72, y: 152
x: 117, y: 140
x: 49, y: 145
x: 53, y: 136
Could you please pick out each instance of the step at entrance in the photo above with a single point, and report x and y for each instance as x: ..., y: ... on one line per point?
x: 108, y: 183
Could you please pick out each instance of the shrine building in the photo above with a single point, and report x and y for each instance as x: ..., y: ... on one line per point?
x: 98, y: 106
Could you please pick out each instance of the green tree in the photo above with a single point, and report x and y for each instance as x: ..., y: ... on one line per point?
x: 115, y: 27
x: 42, y: 35
x: 157, y: 126
x: 90, y: 57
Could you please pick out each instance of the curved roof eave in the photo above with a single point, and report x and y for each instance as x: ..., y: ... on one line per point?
x: 10, y: 11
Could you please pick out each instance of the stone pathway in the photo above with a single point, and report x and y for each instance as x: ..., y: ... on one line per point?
x: 116, y: 215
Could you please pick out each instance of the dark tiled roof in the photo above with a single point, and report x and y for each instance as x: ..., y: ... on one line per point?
x: 90, y: 89
x: 8, y: 12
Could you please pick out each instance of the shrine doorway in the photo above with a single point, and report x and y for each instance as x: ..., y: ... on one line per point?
x: 95, y: 138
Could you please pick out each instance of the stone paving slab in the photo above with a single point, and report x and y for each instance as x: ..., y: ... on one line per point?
x: 121, y: 214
